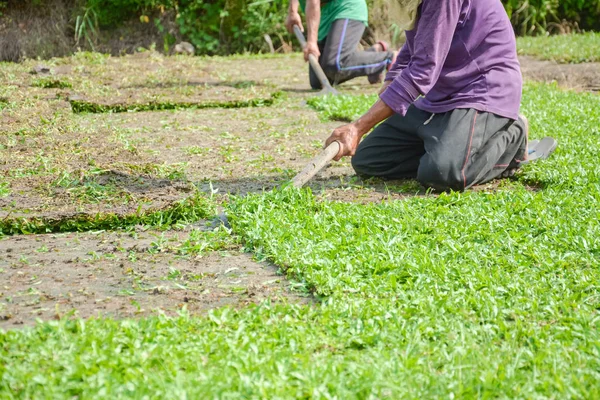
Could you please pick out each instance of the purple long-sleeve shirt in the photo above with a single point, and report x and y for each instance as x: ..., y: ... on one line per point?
x: 461, y: 54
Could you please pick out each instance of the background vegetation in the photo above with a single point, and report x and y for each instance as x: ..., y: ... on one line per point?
x: 235, y: 26
x: 542, y: 16
x: 213, y: 27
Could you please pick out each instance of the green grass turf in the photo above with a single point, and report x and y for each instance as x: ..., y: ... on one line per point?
x: 465, y: 295
x: 180, y: 213
x: 576, y: 48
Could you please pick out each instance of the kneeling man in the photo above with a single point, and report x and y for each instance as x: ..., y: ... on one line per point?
x: 335, y: 28
x: 450, y: 103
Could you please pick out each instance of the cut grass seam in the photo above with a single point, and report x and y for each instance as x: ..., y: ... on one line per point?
x: 186, y: 211
x: 82, y: 106
x: 47, y: 83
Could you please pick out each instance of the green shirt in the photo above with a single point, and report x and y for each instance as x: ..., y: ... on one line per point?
x: 339, y: 9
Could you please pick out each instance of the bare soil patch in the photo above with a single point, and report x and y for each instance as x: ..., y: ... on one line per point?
x: 122, y: 275
x: 112, y: 191
x: 581, y: 77
x: 59, y: 164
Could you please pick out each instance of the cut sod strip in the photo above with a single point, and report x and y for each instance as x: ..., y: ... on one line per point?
x: 344, y: 108
x: 186, y: 211
x: 84, y: 106
x: 378, y: 250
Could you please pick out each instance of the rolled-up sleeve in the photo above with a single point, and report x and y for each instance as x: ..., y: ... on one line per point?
x: 433, y: 39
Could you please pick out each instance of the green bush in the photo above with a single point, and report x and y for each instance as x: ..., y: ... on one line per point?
x: 232, y: 26
x: 530, y: 17
x: 585, y: 12
x: 111, y: 13
x: 212, y: 26
x: 235, y: 26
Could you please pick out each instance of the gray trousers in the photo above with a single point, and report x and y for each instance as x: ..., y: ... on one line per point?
x: 340, y: 58
x: 454, y: 150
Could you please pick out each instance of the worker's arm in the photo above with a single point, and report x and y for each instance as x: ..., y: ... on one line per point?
x: 396, y: 69
x: 404, y: 57
x: 313, y: 19
x: 413, y: 76
x: 349, y: 135
x: 435, y: 30
x: 293, y: 17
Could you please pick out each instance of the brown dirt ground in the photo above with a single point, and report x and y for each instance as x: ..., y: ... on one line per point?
x: 117, y: 274
x: 150, y: 158
x: 58, y: 164
x: 579, y: 77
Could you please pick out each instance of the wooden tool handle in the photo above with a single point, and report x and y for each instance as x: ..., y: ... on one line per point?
x: 316, y: 164
x: 299, y: 36
x: 314, y: 63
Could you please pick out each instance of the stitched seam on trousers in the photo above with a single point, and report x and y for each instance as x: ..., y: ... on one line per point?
x: 364, y: 66
x: 339, y: 54
x: 468, y: 151
x: 429, y: 120
x: 337, y: 57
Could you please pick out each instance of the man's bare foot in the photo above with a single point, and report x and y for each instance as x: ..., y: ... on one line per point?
x: 380, y: 46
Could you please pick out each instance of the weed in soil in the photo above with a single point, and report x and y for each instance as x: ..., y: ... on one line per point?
x: 344, y: 108
x: 4, y: 103
x: 165, y: 171
x: 50, y: 83
x: 198, y: 243
x: 85, y: 188
x: 4, y: 189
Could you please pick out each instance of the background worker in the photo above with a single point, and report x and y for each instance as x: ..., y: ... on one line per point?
x: 450, y: 102
x: 334, y: 29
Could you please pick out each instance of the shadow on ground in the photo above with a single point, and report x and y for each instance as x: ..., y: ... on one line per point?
x: 351, y: 188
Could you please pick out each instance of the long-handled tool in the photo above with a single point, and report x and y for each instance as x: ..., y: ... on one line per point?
x: 319, y: 161
x: 316, y: 164
x: 314, y: 63
x: 310, y: 170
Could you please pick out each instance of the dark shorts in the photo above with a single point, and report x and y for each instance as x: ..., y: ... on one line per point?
x: 454, y: 150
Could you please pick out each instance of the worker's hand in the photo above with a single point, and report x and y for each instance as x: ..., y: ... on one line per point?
x: 292, y: 19
x: 348, y: 136
x: 311, y: 48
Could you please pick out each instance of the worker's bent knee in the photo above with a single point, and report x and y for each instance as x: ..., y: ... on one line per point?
x: 440, y: 175
x: 368, y: 167
x: 331, y: 69
x: 361, y: 165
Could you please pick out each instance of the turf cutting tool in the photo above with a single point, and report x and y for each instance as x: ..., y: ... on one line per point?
x: 310, y: 170
x: 314, y: 63
x: 316, y: 164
